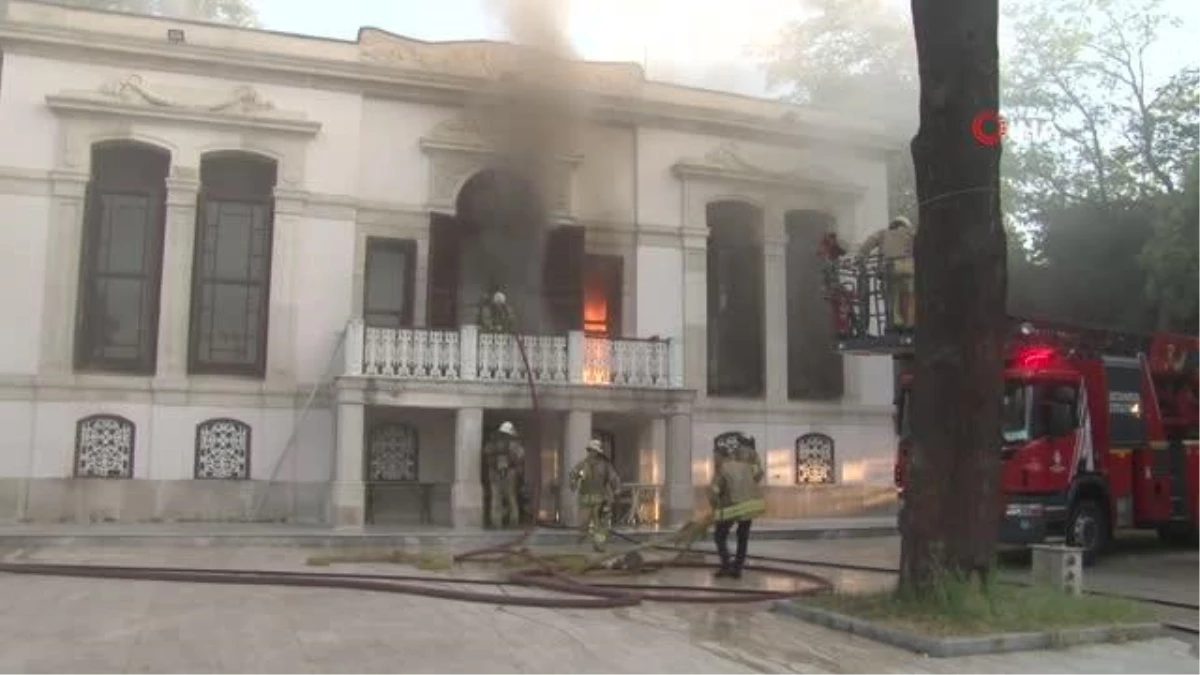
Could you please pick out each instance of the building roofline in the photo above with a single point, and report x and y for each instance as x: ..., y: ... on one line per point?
x: 627, y: 95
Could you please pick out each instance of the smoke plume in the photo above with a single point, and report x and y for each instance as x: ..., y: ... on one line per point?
x: 531, y: 112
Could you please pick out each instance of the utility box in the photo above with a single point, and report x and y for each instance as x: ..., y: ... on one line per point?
x: 1058, y: 566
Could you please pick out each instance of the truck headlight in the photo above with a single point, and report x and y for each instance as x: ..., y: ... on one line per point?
x: 1024, y: 510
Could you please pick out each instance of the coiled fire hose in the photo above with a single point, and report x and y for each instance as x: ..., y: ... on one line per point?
x: 569, y: 592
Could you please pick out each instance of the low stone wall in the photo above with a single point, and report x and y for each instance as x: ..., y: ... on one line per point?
x: 83, y: 500
x: 790, y: 502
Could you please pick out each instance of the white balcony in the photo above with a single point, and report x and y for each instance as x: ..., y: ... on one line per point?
x: 470, y: 355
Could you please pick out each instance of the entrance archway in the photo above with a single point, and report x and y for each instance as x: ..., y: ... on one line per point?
x: 499, y: 238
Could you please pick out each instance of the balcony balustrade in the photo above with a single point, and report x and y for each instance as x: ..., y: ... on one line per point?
x: 469, y: 354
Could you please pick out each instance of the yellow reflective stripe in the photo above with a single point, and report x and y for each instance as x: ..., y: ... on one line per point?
x: 743, y: 510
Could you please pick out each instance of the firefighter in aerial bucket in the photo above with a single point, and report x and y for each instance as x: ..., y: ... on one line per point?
x: 895, y: 247
x: 597, y: 483
x: 736, y: 500
x: 503, y: 461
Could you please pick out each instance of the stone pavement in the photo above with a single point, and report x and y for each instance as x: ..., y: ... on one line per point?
x: 78, y: 625
x: 296, y: 535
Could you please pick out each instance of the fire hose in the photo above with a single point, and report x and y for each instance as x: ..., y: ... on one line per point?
x: 539, y: 575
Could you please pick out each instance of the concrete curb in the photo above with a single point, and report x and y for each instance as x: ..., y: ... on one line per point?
x: 359, y: 539
x: 969, y: 646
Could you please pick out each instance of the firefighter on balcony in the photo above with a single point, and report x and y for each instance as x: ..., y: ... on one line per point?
x: 495, y: 316
x: 503, y: 460
x: 596, y: 481
x: 895, y: 246
x: 736, y: 499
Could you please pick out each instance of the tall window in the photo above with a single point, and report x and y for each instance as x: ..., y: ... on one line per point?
x: 814, y: 366
x: 116, y: 328
x: 232, y: 266
x: 602, y: 295
x: 735, y: 301
x: 388, y: 282
x: 392, y: 453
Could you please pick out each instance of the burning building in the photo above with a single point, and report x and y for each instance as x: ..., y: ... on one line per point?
x: 244, y: 272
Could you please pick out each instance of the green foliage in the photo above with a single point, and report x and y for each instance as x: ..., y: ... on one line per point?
x: 233, y: 12
x: 849, y: 54
x: 955, y: 607
x: 1096, y: 167
x: 1169, y: 258
x: 1085, y: 257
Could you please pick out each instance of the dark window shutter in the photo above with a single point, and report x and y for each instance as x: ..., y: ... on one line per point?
x: 444, y: 260
x: 562, y: 279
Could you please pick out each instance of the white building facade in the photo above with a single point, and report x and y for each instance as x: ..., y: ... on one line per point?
x: 236, y: 280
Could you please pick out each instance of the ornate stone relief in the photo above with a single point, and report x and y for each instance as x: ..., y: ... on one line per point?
x: 490, y: 61
x: 131, y: 95
x: 133, y: 89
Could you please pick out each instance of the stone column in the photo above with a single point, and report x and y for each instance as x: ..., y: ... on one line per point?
x: 349, y: 492
x: 775, y: 313
x: 678, y: 488
x: 466, y: 494
x: 421, y: 279
x: 281, y: 358
x: 64, y: 246
x: 175, y: 303
x: 695, y: 311
x: 576, y: 434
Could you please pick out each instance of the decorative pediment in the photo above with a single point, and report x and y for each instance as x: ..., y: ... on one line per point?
x: 467, y: 133
x: 491, y: 61
x: 727, y: 163
x: 132, y: 96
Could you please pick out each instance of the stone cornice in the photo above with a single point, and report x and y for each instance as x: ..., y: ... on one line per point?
x: 389, y: 80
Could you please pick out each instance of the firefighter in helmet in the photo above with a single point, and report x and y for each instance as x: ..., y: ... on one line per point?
x: 895, y: 247
x: 503, y: 460
x: 736, y: 499
x: 495, y: 316
x: 596, y: 481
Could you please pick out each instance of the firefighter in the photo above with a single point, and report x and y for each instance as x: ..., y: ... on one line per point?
x: 503, y: 458
x: 495, y: 316
x: 596, y: 481
x: 736, y: 499
x: 895, y: 245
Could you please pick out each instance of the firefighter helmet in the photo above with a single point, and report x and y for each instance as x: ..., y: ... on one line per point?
x: 507, y: 429
x: 596, y: 446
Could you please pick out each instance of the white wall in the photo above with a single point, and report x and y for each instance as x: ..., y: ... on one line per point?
x: 864, y: 446
x: 23, y: 263
x: 659, y: 300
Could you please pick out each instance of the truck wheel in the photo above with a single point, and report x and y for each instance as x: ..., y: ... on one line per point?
x: 1087, y: 528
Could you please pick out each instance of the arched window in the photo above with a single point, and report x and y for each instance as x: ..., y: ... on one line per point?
x: 104, y: 447
x: 223, y: 449
x: 231, y: 268
x: 121, y: 262
x: 814, y: 459
x: 392, y: 453
x: 608, y: 440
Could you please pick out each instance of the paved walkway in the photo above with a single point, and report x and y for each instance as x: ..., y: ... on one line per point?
x: 78, y: 625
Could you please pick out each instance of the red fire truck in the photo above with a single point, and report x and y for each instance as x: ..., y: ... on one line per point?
x: 1099, y: 428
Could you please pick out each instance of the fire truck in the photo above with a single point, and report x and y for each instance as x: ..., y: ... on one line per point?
x: 1099, y: 427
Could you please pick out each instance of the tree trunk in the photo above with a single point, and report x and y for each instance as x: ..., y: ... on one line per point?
x: 951, y: 514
